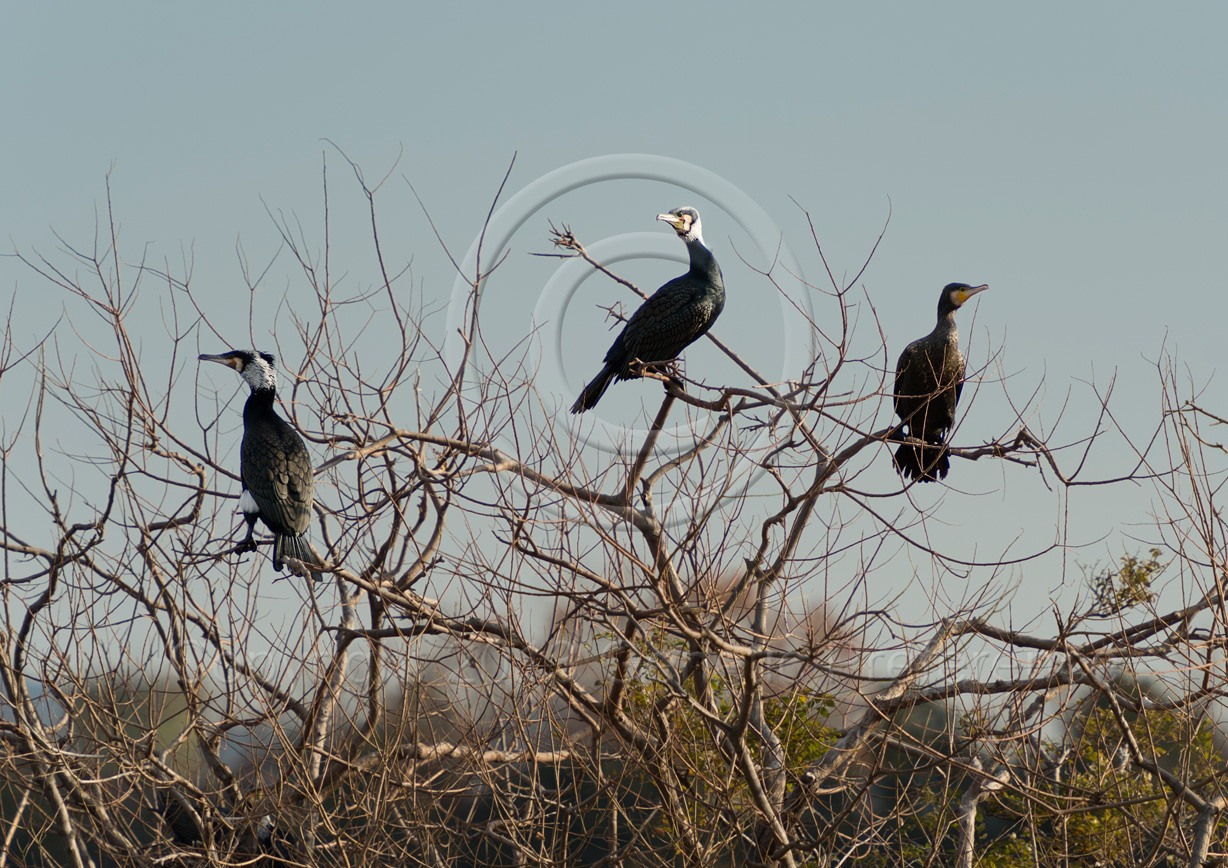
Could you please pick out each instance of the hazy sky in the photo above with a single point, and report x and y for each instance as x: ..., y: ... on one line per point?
x: 1070, y: 155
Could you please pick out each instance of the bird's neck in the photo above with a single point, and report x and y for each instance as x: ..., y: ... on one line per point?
x: 260, y: 402
x: 702, y: 260
x: 946, y: 327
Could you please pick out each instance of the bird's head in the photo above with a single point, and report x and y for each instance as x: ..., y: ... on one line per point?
x: 256, y: 368
x: 955, y: 294
x: 685, y: 221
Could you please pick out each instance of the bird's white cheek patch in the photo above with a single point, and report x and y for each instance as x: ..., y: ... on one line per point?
x: 247, y: 504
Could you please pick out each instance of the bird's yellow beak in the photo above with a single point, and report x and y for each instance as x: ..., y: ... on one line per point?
x: 672, y: 219
x: 237, y: 364
x: 965, y: 294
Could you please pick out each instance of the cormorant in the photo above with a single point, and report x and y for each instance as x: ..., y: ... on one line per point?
x: 261, y: 838
x: 673, y: 317
x: 928, y: 380
x: 179, y: 821
x: 273, y: 463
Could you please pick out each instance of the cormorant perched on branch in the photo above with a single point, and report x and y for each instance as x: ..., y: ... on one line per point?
x: 179, y: 821
x: 928, y: 380
x: 273, y: 463
x: 248, y: 838
x: 673, y: 317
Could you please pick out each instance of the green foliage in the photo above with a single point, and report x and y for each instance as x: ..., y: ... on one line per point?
x: 697, y: 748
x: 799, y: 720
x: 1106, y: 810
x: 1129, y: 585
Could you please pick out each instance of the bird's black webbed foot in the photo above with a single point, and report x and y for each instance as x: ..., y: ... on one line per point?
x: 247, y: 545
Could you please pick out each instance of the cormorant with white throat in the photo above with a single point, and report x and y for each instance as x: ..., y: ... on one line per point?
x: 273, y: 463
x: 671, y: 319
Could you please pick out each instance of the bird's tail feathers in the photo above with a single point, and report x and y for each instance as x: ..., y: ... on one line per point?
x: 297, y: 547
x: 927, y: 463
x: 593, y: 391
x: 178, y: 819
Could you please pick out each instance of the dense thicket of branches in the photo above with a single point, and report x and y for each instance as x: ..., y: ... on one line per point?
x: 528, y: 653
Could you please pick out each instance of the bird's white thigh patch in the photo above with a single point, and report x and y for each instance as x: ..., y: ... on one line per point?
x: 247, y: 504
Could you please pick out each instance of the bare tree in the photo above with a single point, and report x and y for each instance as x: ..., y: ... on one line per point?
x: 522, y: 654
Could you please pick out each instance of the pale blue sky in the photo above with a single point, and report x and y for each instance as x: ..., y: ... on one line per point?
x: 1070, y: 155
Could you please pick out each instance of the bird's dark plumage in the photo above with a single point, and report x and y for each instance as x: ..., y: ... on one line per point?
x: 179, y: 820
x: 928, y: 381
x: 273, y: 463
x: 672, y: 318
x: 260, y: 838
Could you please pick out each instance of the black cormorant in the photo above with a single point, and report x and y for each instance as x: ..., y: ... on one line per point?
x: 273, y: 463
x: 260, y: 838
x: 672, y: 318
x: 179, y: 821
x: 928, y: 380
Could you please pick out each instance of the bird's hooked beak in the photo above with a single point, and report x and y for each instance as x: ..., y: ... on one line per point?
x: 967, y: 292
x: 224, y: 359
x: 679, y: 223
